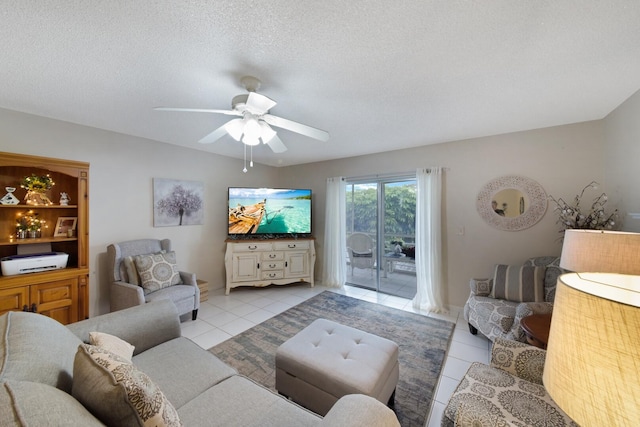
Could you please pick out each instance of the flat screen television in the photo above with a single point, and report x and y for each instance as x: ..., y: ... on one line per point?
x: 276, y: 211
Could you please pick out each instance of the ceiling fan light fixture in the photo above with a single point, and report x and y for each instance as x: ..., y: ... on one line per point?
x: 267, y: 133
x: 250, y: 140
x: 235, y: 128
x: 252, y: 128
x: 254, y: 122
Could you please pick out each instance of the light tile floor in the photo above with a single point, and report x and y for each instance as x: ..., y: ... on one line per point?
x: 221, y: 317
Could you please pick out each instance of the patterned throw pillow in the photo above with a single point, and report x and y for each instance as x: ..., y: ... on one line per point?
x: 480, y: 287
x: 157, y: 271
x: 112, y: 343
x: 518, y: 283
x: 116, y: 392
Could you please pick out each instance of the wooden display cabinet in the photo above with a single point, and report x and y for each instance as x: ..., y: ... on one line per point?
x: 60, y: 294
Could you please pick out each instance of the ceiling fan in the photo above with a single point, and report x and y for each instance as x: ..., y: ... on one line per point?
x: 255, y: 122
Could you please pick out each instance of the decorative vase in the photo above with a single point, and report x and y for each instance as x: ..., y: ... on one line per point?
x: 37, y: 198
x: 33, y: 234
x: 21, y: 234
x: 9, y: 198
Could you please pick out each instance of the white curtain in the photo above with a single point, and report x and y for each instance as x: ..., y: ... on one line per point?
x: 429, y: 240
x: 334, y: 272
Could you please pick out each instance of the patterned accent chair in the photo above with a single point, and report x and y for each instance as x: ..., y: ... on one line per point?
x: 496, y: 305
x: 507, y: 393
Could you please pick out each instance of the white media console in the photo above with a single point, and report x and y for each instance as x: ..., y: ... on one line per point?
x: 269, y: 262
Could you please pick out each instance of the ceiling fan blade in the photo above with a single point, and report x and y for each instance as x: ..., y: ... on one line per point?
x: 200, y: 110
x: 214, y: 136
x: 296, y: 127
x: 259, y: 104
x: 276, y: 145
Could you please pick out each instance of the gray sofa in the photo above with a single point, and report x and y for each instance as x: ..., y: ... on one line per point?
x: 44, y: 378
x: 497, y: 314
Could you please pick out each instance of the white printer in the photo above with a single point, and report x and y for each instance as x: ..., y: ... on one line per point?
x: 33, y: 263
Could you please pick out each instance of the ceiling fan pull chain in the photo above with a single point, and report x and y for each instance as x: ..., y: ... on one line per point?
x: 251, y: 162
x: 245, y: 158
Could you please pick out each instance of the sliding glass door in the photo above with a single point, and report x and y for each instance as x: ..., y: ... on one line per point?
x: 381, y: 234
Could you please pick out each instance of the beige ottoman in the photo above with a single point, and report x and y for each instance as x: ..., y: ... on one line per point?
x: 326, y: 361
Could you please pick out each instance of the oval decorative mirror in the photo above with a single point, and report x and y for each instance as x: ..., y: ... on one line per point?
x: 512, y: 203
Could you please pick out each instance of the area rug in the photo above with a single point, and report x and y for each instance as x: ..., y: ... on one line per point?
x: 422, y: 341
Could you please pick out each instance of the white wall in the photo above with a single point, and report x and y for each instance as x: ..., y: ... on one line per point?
x: 621, y: 158
x: 562, y: 159
x: 121, y: 191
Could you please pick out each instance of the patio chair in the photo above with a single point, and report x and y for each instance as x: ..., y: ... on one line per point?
x: 362, y: 251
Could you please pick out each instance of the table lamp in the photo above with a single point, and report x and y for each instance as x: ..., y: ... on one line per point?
x: 592, y: 368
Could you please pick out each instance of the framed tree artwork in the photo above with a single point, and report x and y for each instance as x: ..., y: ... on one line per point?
x: 177, y: 202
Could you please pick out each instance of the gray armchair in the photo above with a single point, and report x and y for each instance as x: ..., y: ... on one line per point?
x: 159, y: 279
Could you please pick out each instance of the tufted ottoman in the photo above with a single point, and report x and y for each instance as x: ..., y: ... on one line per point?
x: 326, y: 361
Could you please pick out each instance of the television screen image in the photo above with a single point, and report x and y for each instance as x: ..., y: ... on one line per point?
x: 269, y: 211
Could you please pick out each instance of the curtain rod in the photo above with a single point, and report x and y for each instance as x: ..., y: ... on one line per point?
x: 387, y: 175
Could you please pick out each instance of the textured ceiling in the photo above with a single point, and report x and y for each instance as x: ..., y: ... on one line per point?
x: 377, y: 75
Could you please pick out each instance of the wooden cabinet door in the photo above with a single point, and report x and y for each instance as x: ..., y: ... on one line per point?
x: 296, y: 264
x: 58, y: 300
x: 246, y: 266
x: 14, y: 299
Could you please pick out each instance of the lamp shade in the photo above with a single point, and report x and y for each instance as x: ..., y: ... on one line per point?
x: 600, y: 251
x: 235, y: 128
x: 252, y: 129
x: 592, y: 368
x: 267, y: 132
x: 250, y: 140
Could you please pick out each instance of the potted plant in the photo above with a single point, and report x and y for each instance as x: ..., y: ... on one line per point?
x: 574, y: 216
x: 37, y: 187
x: 28, y: 224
